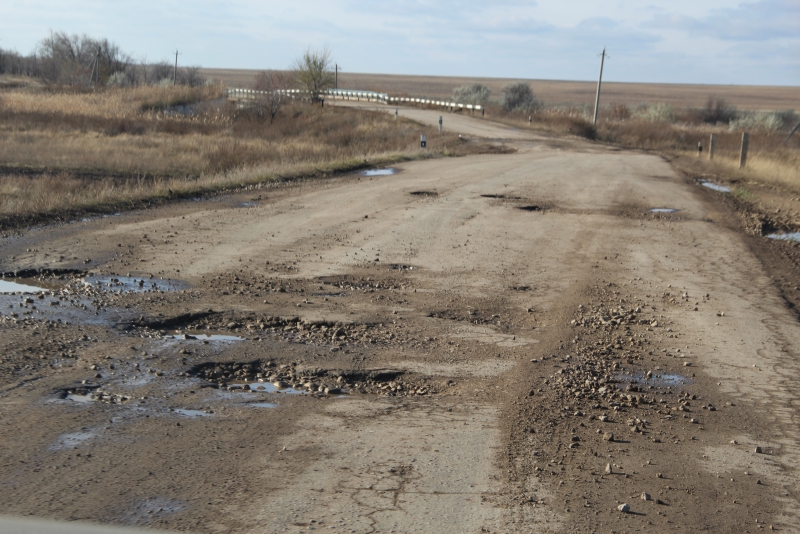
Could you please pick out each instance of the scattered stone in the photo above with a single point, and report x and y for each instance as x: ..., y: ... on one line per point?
x: 624, y: 508
x: 609, y: 469
x: 758, y: 450
x: 646, y: 496
x: 608, y: 436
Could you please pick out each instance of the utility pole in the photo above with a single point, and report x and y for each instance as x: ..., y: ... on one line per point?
x: 175, y: 72
x: 336, y: 84
x: 599, y: 82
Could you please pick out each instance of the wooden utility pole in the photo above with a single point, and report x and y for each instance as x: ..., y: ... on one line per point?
x: 336, y: 83
x: 599, y: 83
x: 743, y: 153
x: 175, y: 72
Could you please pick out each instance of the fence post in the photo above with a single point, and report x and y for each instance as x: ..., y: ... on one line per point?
x: 711, y: 143
x: 743, y: 154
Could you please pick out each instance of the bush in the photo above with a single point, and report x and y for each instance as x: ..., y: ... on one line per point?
x: 471, y: 94
x: 655, y: 113
x: 519, y: 97
x: 717, y: 110
x: 764, y: 121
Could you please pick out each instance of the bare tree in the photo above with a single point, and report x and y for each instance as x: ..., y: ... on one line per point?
x: 79, y: 59
x: 273, y: 84
x: 312, y: 72
x: 191, y: 76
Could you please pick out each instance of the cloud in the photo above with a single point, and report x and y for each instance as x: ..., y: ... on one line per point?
x: 759, y: 21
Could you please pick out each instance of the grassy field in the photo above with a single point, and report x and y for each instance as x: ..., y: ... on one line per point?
x: 557, y: 93
x: 67, y: 151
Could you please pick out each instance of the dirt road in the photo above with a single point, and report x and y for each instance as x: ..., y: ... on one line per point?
x: 496, y: 343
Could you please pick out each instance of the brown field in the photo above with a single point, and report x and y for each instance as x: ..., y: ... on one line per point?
x: 555, y: 92
x: 66, y: 150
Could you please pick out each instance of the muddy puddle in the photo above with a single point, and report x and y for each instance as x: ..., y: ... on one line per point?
x: 663, y: 210
x: 204, y: 337
x: 265, y: 387
x: 132, y: 284
x: 26, y: 285
x: 379, y: 172
x: 654, y: 379
x: 150, y: 510
x: 791, y: 236
x: 716, y: 187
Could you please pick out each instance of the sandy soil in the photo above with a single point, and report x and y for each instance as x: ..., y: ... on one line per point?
x: 494, y: 343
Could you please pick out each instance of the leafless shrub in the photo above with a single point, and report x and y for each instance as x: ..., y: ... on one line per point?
x: 272, y: 84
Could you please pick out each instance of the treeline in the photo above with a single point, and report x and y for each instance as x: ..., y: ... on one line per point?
x: 83, y: 61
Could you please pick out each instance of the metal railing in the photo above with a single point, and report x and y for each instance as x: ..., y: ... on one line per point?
x: 342, y: 94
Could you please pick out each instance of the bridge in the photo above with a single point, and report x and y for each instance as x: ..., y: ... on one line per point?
x: 245, y: 95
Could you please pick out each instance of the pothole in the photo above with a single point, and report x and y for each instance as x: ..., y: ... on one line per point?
x: 424, y: 193
x: 204, y: 337
x: 130, y: 284
x: 716, y: 187
x: 663, y: 210
x: 26, y: 285
x: 654, y: 379
x: 265, y: 377
x: 530, y: 208
x: 791, y: 236
x: 379, y: 172
x: 151, y: 510
x: 502, y: 197
x: 401, y: 267
x: 191, y: 413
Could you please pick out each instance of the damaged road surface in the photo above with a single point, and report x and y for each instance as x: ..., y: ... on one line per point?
x: 493, y: 343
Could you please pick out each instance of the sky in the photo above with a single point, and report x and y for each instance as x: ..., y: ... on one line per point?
x: 661, y: 41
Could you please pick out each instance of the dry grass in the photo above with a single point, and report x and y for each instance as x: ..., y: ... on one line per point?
x: 67, y: 151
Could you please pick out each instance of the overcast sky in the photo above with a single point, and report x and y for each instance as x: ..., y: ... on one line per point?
x: 680, y: 41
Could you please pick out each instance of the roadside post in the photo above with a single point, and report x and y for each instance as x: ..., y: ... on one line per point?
x: 440, y: 124
x: 396, y: 112
x: 423, y: 141
x: 699, y: 148
x: 711, y: 143
x: 743, y: 153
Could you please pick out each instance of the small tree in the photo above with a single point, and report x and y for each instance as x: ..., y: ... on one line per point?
x: 471, y: 94
x: 519, y: 97
x: 273, y: 84
x: 312, y: 72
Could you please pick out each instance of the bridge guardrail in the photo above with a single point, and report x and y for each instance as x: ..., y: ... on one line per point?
x: 346, y: 94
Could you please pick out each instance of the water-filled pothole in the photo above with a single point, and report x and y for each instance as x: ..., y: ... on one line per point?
x: 150, y: 510
x: 266, y: 387
x: 204, y: 337
x: 716, y: 187
x: 131, y: 284
x: 424, y: 193
x: 261, y: 405
x: 400, y: 267
x: 662, y: 379
x: 663, y: 210
x: 379, y: 172
x: 791, y: 236
x: 331, y: 295
x: 26, y: 285
x: 531, y: 208
x: 191, y: 413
